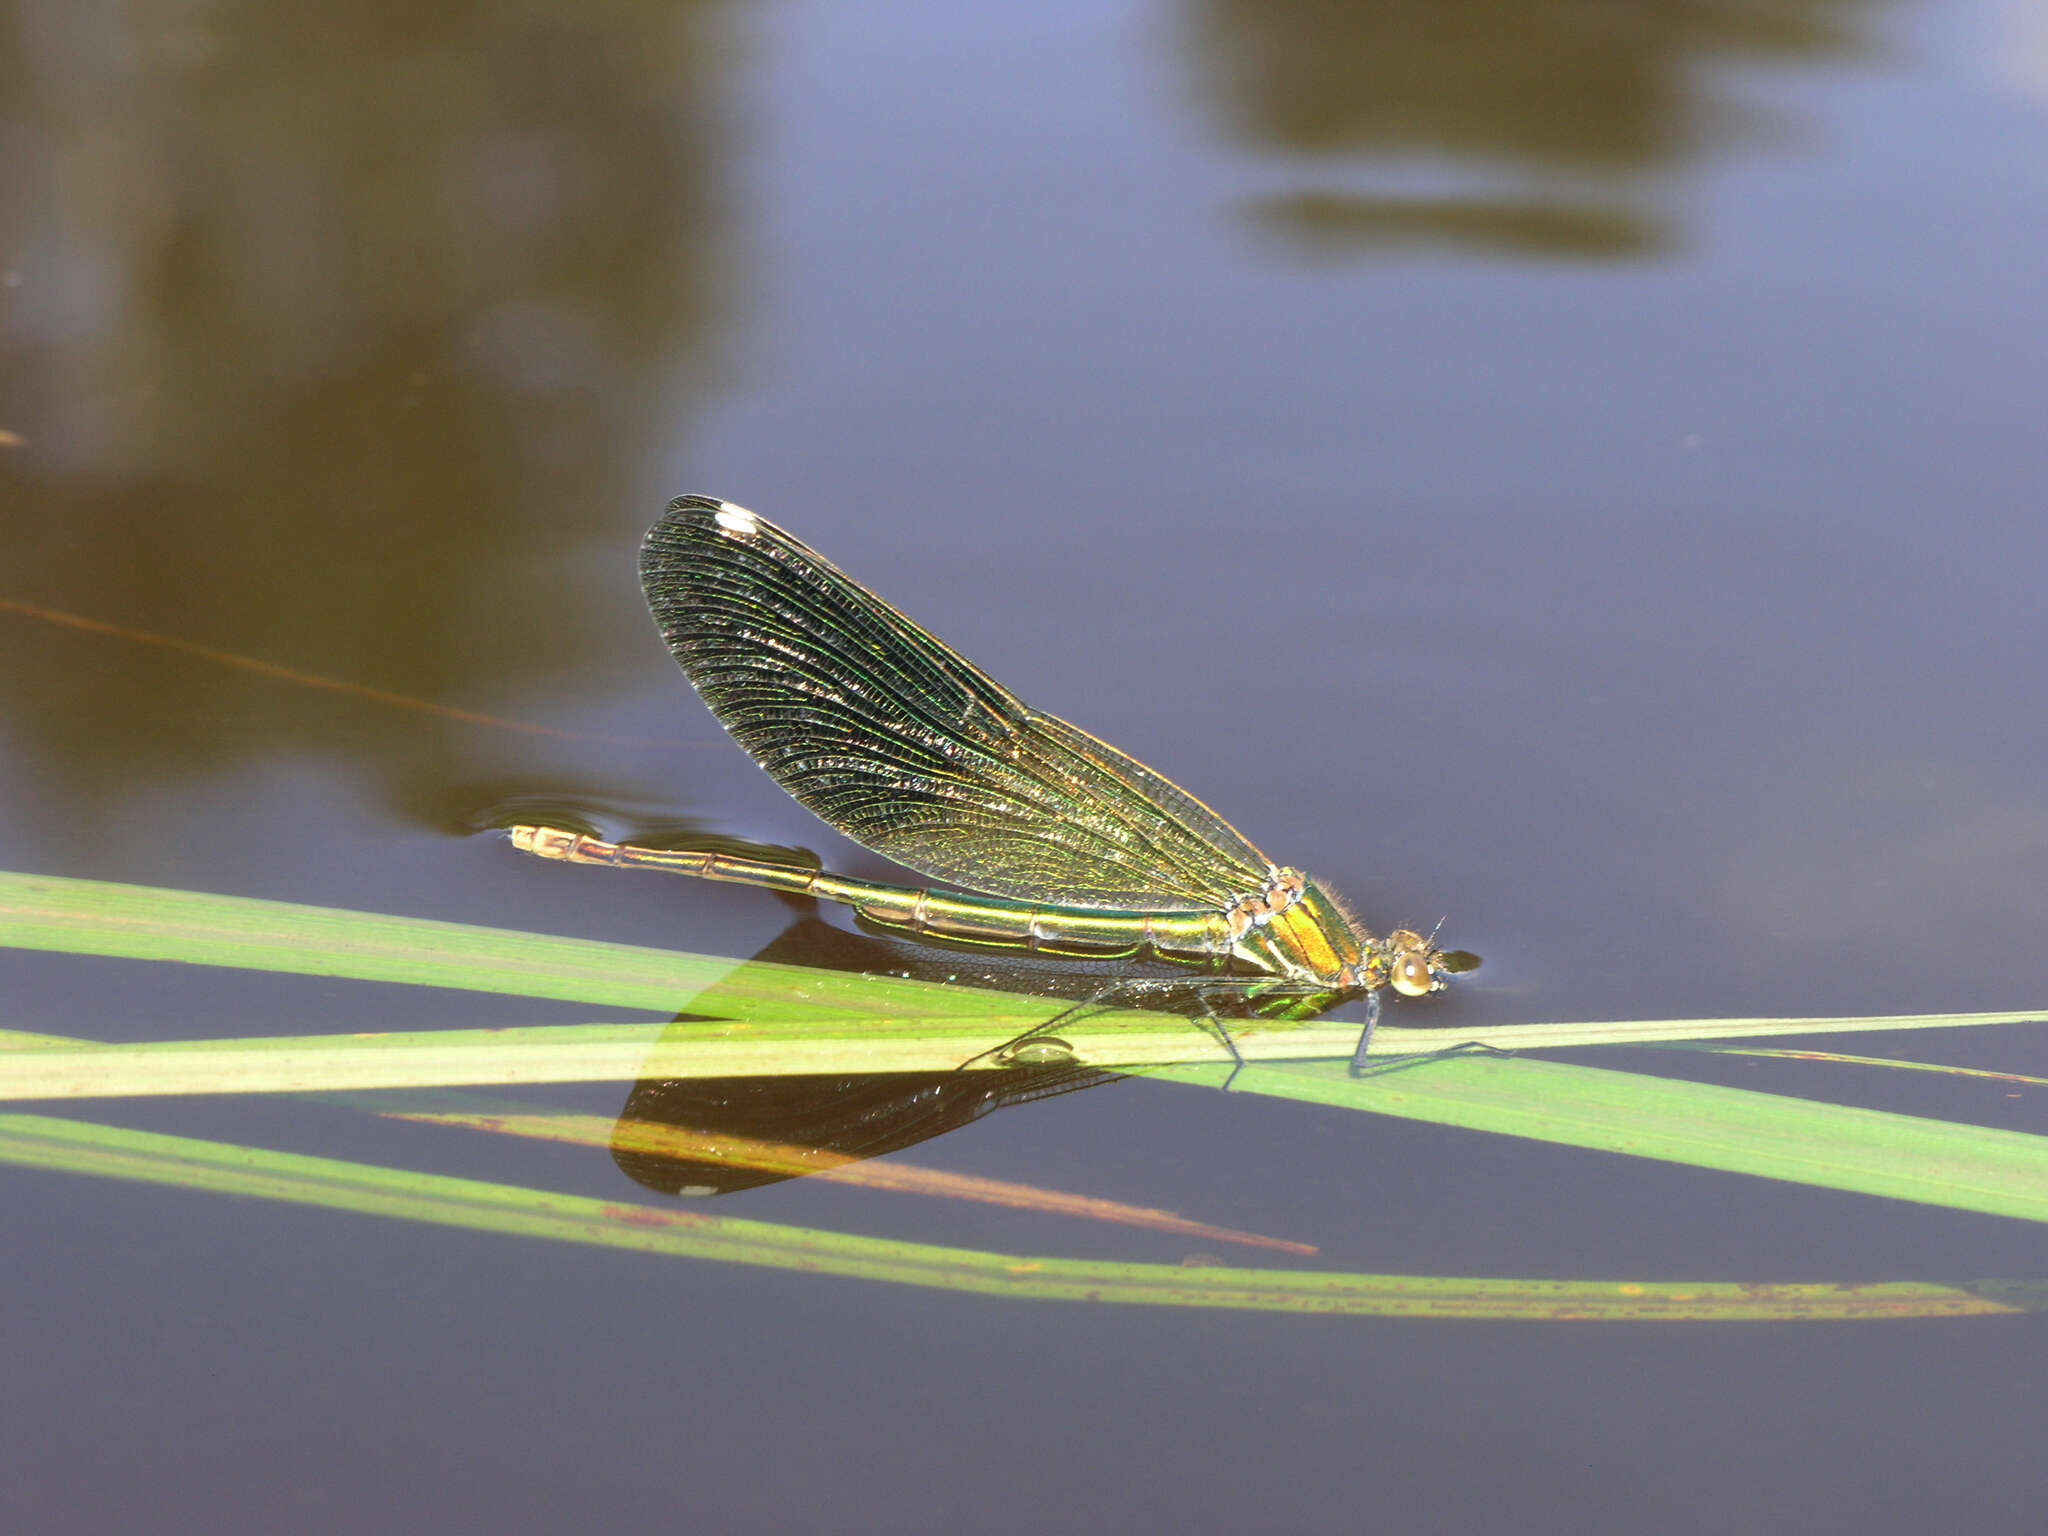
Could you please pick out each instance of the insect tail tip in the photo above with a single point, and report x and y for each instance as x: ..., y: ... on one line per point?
x: 543, y: 842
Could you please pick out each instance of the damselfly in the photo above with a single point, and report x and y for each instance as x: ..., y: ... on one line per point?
x: 1056, y: 843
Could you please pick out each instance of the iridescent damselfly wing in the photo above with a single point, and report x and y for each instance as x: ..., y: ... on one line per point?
x: 1046, y: 839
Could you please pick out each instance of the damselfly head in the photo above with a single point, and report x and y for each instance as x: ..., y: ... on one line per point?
x: 1415, y: 967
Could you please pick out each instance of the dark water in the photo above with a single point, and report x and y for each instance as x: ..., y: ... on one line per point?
x: 1573, y: 468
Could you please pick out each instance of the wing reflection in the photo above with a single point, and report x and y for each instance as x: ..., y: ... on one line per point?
x: 717, y: 1136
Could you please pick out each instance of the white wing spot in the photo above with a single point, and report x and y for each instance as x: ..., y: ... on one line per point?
x: 736, y: 519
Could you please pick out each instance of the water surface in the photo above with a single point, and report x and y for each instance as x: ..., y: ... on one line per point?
x: 1571, y: 470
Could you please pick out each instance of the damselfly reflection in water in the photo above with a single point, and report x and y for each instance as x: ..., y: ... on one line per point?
x: 1056, y: 843
x: 743, y: 1132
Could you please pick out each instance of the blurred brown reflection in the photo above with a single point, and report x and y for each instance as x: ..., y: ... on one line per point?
x: 1563, y: 108
x: 1336, y: 225
x: 330, y: 336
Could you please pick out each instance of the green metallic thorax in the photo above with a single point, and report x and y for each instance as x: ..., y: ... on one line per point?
x: 1311, y: 940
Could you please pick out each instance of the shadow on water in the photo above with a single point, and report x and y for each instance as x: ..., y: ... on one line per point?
x: 788, y: 1126
x: 332, y: 339
x: 1538, y: 128
x: 739, y: 1133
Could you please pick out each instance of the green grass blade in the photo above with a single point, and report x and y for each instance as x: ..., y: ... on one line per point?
x: 142, y: 922
x: 785, y: 1019
x: 567, y: 1053
x: 98, y: 917
x: 147, y: 923
x: 48, y: 1067
x: 112, y: 1152
x: 1736, y: 1130
x: 1568, y: 1036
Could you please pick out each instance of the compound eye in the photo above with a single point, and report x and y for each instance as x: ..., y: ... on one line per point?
x: 1412, y: 977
